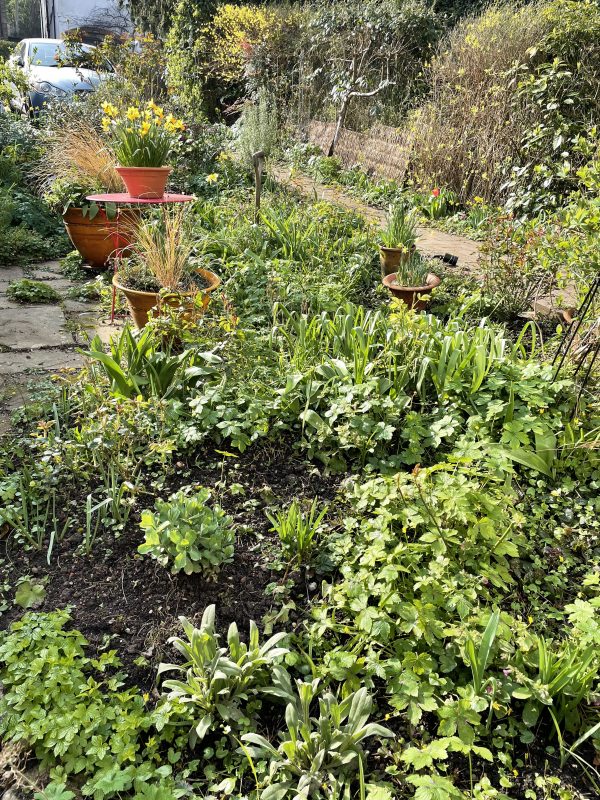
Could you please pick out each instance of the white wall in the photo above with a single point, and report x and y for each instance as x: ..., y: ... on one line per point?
x: 72, y: 13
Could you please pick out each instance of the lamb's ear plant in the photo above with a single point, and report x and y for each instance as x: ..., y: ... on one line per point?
x: 219, y: 685
x: 319, y: 756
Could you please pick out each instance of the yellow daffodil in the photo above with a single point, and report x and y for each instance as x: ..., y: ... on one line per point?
x: 212, y: 178
x: 133, y: 113
x: 144, y: 128
x: 110, y: 110
x: 158, y: 112
x: 151, y: 105
x: 105, y: 123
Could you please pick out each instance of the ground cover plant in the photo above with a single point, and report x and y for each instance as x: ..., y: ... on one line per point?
x: 312, y: 543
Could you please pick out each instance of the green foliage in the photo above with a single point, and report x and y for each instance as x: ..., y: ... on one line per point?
x: 188, y: 535
x: 297, y: 530
x: 71, y: 709
x: 220, y: 685
x: 401, y: 228
x: 28, y: 291
x: 137, y: 365
x: 319, y: 756
x: 258, y: 129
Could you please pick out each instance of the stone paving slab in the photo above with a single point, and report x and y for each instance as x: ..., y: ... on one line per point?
x: 8, y: 275
x: 14, y: 363
x: 33, y: 327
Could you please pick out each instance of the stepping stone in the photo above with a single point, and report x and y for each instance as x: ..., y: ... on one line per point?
x: 33, y: 327
x: 8, y: 275
x: 15, y: 363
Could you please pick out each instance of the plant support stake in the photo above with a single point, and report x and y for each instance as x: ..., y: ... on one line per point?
x: 258, y: 159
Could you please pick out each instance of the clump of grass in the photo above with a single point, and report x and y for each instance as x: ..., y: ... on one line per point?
x: 164, y: 245
x: 77, y: 150
x: 413, y: 270
x: 401, y: 227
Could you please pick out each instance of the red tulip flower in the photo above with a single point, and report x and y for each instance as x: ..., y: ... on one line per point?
x: 436, y: 192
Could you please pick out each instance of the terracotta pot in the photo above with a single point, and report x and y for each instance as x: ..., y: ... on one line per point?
x: 140, y: 303
x: 392, y: 257
x: 411, y: 295
x: 145, y: 182
x: 94, y: 238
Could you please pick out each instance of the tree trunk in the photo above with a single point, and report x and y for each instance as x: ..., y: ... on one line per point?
x: 340, y: 124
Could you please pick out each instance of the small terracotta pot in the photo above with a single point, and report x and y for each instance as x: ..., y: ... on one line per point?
x: 145, y: 182
x: 411, y: 295
x: 95, y: 238
x: 140, y: 303
x: 392, y: 257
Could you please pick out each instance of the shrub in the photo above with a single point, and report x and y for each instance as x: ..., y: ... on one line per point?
x: 206, y: 59
x: 512, y: 92
x: 257, y: 129
x: 464, y: 134
x: 185, y: 533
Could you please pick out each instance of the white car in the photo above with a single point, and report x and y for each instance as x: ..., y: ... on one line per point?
x: 54, y: 69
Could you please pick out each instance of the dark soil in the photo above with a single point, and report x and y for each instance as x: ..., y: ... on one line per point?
x: 131, y: 603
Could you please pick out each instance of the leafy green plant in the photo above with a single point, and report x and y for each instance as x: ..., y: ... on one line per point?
x: 68, y: 708
x: 137, y: 364
x: 220, y: 685
x: 479, y: 658
x: 297, y: 529
x: 319, y: 756
x: 413, y: 270
x: 185, y: 533
x: 29, y: 291
x: 401, y: 228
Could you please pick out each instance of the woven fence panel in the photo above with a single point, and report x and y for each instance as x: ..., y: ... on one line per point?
x: 383, y: 151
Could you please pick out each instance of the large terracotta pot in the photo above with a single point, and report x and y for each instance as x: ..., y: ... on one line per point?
x: 412, y: 295
x: 95, y: 238
x: 145, y: 182
x: 140, y: 303
x: 392, y: 257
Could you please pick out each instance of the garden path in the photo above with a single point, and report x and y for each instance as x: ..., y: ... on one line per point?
x: 431, y: 241
x: 39, y: 340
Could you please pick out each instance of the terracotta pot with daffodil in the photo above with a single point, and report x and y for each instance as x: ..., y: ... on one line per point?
x: 142, y: 141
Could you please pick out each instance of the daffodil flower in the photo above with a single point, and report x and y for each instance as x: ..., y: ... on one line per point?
x: 212, y: 178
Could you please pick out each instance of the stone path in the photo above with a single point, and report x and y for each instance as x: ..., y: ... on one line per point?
x: 430, y: 241
x: 38, y: 340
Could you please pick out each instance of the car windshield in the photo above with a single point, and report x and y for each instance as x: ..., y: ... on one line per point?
x: 50, y: 54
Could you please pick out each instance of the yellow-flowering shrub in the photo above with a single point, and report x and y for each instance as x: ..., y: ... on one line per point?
x: 207, y: 60
x: 231, y: 35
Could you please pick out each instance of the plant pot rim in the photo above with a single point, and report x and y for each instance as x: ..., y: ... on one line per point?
x: 432, y: 281
x: 154, y: 169
x: 214, y: 279
x: 403, y: 249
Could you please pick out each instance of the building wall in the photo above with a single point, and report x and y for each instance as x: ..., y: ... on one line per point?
x: 76, y: 13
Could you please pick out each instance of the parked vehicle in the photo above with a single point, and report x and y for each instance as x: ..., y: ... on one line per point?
x: 55, y: 70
